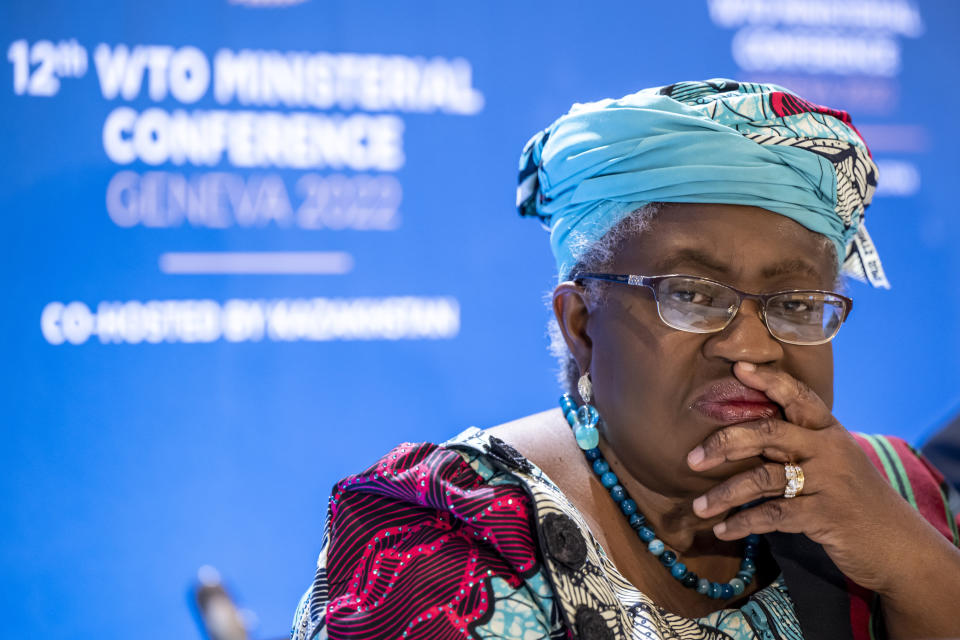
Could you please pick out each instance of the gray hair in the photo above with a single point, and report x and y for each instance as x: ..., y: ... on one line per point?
x: 596, y: 257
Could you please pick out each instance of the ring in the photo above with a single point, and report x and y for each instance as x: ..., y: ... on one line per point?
x: 794, y: 480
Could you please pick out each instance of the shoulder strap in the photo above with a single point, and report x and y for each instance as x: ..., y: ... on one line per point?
x: 919, y: 482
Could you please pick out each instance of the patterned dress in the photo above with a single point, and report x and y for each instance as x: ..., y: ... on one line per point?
x: 471, y: 540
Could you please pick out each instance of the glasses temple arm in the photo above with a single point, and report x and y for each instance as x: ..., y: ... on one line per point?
x: 609, y: 277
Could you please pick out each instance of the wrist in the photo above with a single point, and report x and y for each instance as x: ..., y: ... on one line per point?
x: 922, y: 601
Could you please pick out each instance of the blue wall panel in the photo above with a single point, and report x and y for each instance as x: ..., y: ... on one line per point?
x: 207, y: 426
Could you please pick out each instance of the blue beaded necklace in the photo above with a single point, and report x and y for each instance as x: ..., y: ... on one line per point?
x: 583, y: 421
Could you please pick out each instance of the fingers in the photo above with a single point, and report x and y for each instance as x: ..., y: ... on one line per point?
x: 770, y: 438
x: 801, y: 405
x: 805, y: 430
x: 764, y: 481
x: 773, y: 515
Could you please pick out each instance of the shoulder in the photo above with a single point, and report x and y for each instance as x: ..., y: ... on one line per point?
x: 531, y: 431
x: 457, y: 490
x: 545, y: 439
x: 912, y: 475
x: 453, y: 517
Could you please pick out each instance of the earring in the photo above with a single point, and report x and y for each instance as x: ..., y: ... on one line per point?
x: 585, y: 387
x: 586, y: 433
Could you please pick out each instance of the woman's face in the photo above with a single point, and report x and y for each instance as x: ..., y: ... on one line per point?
x: 650, y: 380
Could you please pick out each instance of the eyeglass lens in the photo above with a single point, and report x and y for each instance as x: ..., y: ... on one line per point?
x: 700, y: 306
x: 804, y: 318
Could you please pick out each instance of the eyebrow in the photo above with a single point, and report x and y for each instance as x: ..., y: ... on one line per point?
x: 701, y: 259
x: 690, y: 256
x: 790, y: 267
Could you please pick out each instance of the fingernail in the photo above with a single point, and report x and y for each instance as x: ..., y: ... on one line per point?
x: 700, y: 504
x: 720, y: 528
x: 748, y: 366
x: 696, y: 456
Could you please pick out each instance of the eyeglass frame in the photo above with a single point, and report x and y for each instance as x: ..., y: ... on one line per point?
x: 651, y: 282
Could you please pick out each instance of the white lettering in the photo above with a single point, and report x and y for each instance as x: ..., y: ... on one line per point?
x: 50, y: 325
x: 189, y: 74
x: 238, y: 320
x: 892, y: 16
x: 150, y: 136
x: 219, y: 200
x: 183, y: 72
x: 347, y: 81
x: 118, y: 135
x: 111, y: 67
x: 158, y: 60
x: 255, y: 139
x: 76, y: 322
x: 122, y: 199
x: 767, y: 49
x: 900, y: 178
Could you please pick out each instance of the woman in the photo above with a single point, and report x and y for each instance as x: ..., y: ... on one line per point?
x: 694, y: 482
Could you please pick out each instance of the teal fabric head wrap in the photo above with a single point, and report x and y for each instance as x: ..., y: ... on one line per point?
x: 716, y: 141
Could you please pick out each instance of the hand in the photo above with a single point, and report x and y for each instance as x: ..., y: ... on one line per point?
x: 846, y: 504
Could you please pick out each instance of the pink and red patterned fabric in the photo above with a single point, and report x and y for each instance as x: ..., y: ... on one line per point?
x: 413, y: 542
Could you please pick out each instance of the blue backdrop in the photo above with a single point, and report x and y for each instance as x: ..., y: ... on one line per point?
x: 173, y: 396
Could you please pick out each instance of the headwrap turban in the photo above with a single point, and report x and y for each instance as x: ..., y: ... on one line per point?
x: 717, y: 141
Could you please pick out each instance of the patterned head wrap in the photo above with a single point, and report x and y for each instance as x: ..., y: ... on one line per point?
x: 717, y: 141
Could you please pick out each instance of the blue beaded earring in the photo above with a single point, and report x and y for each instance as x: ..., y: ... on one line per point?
x: 586, y: 417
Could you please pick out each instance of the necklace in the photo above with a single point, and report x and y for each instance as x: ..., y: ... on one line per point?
x: 638, y: 522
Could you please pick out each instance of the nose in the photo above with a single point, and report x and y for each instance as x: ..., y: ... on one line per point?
x: 745, y: 338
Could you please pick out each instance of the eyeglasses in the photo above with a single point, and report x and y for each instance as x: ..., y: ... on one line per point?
x: 701, y: 305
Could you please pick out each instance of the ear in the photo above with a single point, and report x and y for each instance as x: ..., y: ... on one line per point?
x: 572, y: 312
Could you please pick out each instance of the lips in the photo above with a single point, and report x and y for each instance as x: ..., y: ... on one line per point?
x: 729, y: 401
